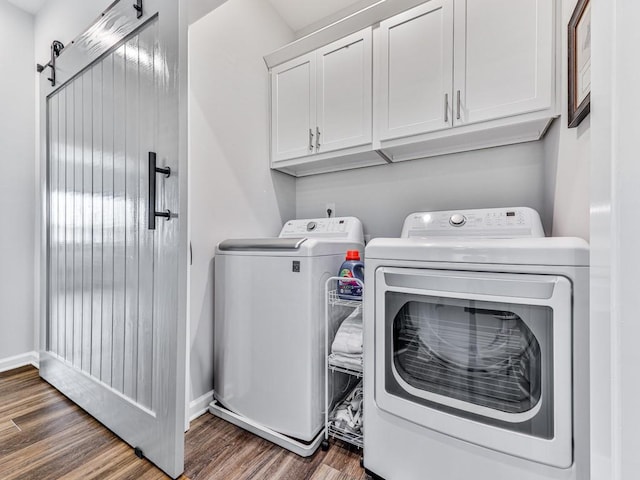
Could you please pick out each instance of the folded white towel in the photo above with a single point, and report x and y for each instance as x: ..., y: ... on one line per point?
x: 346, y: 360
x: 348, y: 338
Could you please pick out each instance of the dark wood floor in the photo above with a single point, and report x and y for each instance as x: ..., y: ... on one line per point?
x: 45, y: 436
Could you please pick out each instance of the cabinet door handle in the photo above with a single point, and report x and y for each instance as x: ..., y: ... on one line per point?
x: 446, y: 108
x: 317, y: 138
x: 310, y: 140
x: 458, y: 106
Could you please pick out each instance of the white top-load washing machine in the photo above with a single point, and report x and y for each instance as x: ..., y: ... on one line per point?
x: 476, y: 350
x: 269, y: 328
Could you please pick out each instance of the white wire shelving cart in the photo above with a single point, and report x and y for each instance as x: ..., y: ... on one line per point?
x: 337, y: 310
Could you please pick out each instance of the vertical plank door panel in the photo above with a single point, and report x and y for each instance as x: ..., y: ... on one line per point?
x: 77, y: 224
x: 87, y: 219
x: 132, y: 196
x: 119, y: 216
x: 69, y: 221
x: 62, y: 220
x: 148, y: 140
x: 107, y: 218
x: 98, y: 224
x: 54, y: 164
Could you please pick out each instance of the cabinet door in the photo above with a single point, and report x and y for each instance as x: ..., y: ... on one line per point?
x: 504, y: 61
x: 293, y: 104
x: 344, y: 101
x: 416, y: 70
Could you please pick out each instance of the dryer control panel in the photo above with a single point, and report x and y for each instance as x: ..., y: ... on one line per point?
x: 483, y: 223
x: 342, y: 228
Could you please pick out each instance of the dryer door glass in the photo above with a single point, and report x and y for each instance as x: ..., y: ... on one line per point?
x: 488, y: 359
x: 478, y: 355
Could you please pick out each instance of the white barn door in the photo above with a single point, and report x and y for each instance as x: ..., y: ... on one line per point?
x: 113, y: 338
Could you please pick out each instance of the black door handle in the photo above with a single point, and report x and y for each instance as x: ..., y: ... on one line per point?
x: 153, y: 171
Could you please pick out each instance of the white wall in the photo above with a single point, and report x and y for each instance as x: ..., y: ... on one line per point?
x: 233, y: 192
x: 383, y: 196
x: 199, y: 8
x: 567, y: 153
x: 64, y: 20
x: 17, y: 186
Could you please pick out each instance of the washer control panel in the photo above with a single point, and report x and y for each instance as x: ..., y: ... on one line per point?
x: 489, y: 223
x: 342, y: 228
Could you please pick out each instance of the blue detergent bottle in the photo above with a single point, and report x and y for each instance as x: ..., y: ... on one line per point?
x: 352, y: 267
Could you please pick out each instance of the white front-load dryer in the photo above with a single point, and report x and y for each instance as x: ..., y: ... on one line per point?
x: 269, y: 365
x: 476, y: 350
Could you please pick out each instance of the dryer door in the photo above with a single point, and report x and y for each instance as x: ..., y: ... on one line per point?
x: 484, y: 357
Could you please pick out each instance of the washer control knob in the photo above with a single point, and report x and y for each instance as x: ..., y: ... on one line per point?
x: 457, y: 220
x: 311, y: 226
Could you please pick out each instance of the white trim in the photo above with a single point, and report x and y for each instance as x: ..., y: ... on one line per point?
x: 352, y: 23
x: 17, y: 361
x: 199, y: 406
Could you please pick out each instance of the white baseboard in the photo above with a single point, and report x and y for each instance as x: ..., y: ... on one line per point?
x: 10, y: 363
x: 200, y: 405
x: 197, y: 407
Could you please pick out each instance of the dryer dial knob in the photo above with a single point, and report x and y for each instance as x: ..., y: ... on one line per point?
x: 457, y: 220
x: 311, y: 226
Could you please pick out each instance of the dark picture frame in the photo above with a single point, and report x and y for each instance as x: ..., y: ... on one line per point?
x: 580, y: 63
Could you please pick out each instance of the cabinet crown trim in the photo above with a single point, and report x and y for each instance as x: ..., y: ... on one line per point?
x: 353, y: 23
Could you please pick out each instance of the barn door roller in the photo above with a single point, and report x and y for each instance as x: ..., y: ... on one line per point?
x: 56, y: 48
x: 138, y: 8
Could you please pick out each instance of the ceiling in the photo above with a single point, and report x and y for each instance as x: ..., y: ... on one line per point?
x: 299, y: 14
x: 30, y: 6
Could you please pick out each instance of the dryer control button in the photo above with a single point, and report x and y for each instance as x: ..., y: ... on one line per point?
x: 457, y: 220
x: 311, y: 226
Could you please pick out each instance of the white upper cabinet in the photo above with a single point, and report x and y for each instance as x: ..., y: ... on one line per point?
x: 422, y: 80
x: 293, y: 108
x: 344, y: 97
x: 503, y: 58
x: 456, y: 75
x: 321, y: 108
x: 416, y: 70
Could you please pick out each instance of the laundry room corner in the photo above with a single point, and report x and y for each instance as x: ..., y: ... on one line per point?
x: 319, y: 239
x: 567, y: 157
x: 228, y: 147
x: 233, y: 193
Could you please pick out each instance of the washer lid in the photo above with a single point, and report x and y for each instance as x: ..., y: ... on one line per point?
x: 311, y: 237
x: 262, y: 244
x: 286, y: 247
x: 566, y: 251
